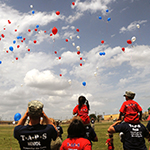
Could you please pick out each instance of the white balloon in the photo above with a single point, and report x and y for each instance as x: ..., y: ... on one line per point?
x: 83, y: 60
x: 133, y: 39
x: 78, y: 48
x: 73, y: 44
x: 71, y: 37
x: 69, y: 81
x: 78, y: 37
x: 95, y: 73
x: 31, y: 6
x: 13, y: 122
x: 97, y: 67
x: 138, y: 26
x: 13, y: 61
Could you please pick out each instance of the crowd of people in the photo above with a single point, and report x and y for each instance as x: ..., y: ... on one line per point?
x: 46, y: 134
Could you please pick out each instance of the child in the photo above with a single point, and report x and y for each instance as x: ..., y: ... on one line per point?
x: 130, y: 109
x: 82, y: 110
x: 109, y: 142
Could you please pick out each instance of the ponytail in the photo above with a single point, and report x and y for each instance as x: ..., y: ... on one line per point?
x: 83, y: 100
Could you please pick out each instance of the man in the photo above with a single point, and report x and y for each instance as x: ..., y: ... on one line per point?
x: 133, y: 134
x: 35, y: 136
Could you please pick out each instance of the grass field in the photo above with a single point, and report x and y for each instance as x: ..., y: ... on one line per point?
x: 7, y: 141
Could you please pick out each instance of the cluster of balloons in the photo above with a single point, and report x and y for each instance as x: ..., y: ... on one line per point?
x: 102, y: 53
x: 108, y: 19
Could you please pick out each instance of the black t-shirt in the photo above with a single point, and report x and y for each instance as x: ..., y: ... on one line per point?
x: 60, y: 130
x: 133, y: 135
x: 36, y: 137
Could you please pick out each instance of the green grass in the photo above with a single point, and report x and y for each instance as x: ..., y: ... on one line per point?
x: 8, y: 142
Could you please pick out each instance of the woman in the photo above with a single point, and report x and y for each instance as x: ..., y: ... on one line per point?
x: 82, y: 110
x: 76, y: 132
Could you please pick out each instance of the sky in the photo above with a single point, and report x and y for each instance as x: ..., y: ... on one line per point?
x: 52, y: 68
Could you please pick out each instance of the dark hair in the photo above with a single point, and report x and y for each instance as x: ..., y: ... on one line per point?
x: 76, y: 129
x: 82, y: 100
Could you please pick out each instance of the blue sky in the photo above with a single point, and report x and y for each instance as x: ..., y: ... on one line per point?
x: 36, y: 73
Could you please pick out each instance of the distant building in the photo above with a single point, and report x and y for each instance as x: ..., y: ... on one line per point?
x: 111, y: 117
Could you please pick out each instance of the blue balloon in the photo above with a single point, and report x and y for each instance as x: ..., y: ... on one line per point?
x: 107, y: 10
x: 108, y: 19
x: 37, y: 26
x: 100, y: 17
x: 18, y: 37
x: 0, y: 62
x: 84, y: 83
x: 33, y: 12
x: 100, y: 53
x: 14, y: 41
x: 17, y: 116
x: 11, y: 48
x: 103, y: 53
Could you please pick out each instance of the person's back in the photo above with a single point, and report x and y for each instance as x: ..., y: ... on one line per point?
x: 130, y: 109
x: 36, y: 136
x: 134, y: 135
x: 82, y: 110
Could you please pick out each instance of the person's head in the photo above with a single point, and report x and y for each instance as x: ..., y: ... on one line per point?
x: 76, y: 128
x: 35, y: 109
x: 82, y: 100
x: 129, y: 95
x: 110, y: 135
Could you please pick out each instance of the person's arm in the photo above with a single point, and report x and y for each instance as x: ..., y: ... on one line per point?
x: 111, y: 129
x: 140, y: 117
x: 95, y: 139
x: 23, y: 119
x: 120, y: 115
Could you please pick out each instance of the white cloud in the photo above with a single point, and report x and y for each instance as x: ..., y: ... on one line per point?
x: 132, y: 26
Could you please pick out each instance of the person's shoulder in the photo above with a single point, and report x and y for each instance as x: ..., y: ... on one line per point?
x: 20, y: 127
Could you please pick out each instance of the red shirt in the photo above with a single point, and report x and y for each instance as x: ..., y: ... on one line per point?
x: 110, y: 145
x: 82, y: 113
x: 76, y: 144
x: 131, y: 110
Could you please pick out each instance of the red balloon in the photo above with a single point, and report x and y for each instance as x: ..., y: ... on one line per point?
x: 55, y: 52
x: 18, y: 46
x: 28, y: 49
x: 0, y: 39
x: 66, y: 40
x: 80, y: 64
x: 129, y: 41
x: 35, y: 29
x: 24, y: 39
x: 77, y: 30
x: 16, y: 58
x: 34, y: 41
x: 4, y: 28
x: 60, y: 75
x: 6, y: 51
x: 9, y: 21
x: 44, y: 31
x: 2, y: 35
x: 54, y: 30
x: 29, y: 30
x: 73, y: 3
x: 78, y: 52
x: 123, y: 49
x: 57, y: 12
x: 80, y: 58
x: 15, y: 30
x: 59, y: 57
x: 102, y: 41
x: 51, y: 34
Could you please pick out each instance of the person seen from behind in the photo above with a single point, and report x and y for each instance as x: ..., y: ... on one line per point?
x: 76, y: 133
x: 34, y: 135
x: 131, y: 110
x: 82, y: 110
